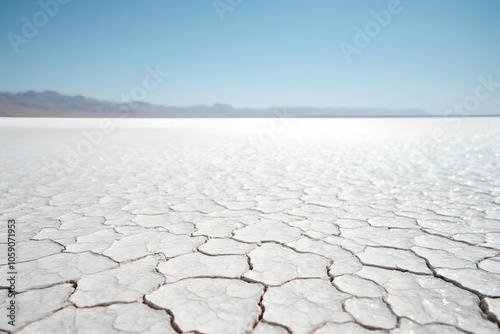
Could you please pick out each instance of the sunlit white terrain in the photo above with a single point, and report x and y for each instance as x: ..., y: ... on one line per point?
x: 254, y: 226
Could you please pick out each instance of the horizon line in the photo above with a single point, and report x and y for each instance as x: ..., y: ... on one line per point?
x: 215, y: 104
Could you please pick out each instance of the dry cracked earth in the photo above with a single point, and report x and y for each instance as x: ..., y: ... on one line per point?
x: 182, y: 230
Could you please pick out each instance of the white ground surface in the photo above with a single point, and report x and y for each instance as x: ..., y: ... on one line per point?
x: 331, y: 226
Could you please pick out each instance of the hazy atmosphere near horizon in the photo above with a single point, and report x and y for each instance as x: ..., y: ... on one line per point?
x: 412, y: 57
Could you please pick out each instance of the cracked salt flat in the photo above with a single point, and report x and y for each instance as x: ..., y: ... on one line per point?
x: 127, y: 283
x: 371, y: 312
x: 304, y: 304
x: 210, y: 305
x: 201, y: 265
x: 186, y: 228
x: 393, y: 258
x: 118, y: 318
x: 38, y: 303
x: 274, y: 264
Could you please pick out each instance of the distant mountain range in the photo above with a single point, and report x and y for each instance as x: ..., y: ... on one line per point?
x: 52, y: 104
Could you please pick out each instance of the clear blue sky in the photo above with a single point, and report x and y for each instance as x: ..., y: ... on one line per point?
x: 264, y: 53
